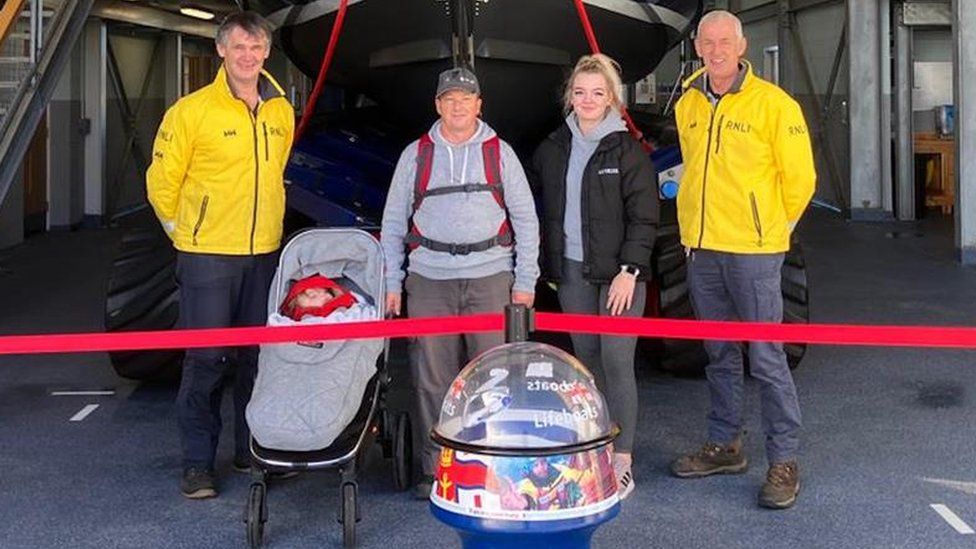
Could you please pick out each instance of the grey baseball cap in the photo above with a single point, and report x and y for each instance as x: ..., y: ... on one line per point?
x: 458, y: 78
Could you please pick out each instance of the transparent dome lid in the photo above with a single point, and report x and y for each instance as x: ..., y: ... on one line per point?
x: 523, y: 396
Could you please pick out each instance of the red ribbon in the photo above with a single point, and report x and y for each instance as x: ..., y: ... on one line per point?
x: 825, y: 334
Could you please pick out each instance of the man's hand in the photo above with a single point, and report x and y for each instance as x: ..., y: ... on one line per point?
x: 392, y: 304
x: 524, y: 298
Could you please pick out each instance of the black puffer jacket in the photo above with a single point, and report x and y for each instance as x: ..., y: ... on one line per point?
x: 619, y: 210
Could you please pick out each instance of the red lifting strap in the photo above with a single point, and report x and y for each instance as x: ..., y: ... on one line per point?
x: 595, y: 48
x: 491, y: 158
x: 326, y: 61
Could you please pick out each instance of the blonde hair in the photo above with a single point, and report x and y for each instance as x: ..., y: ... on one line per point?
x: 603, y: 65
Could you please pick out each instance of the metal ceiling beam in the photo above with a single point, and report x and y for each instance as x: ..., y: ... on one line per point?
x: 129, y: 12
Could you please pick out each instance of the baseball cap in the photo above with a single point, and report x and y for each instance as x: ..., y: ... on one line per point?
x: 458, y: 78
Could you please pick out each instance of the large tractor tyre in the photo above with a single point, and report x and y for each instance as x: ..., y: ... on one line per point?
x: 143, y: 295
x: 687, y: 357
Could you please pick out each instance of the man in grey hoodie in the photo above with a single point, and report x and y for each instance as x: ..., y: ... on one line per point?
x: 461, y: 211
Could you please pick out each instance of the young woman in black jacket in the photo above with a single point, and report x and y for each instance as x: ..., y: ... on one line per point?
x: 599, y: 218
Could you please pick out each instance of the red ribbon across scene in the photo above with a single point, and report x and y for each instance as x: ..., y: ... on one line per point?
x: 824, y: 334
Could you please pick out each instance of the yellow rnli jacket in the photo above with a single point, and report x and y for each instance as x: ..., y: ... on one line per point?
x: 749, y: 170
x: 217, y: 176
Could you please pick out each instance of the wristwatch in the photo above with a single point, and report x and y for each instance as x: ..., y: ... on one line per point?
x: 630, y: 269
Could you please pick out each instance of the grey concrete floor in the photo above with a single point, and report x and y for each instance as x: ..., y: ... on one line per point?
x: 888, y: 432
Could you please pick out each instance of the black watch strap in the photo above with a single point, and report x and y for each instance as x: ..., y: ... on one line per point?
x: 630, y: 269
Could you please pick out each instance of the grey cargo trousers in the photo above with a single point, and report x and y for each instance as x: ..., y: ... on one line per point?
x: 435, y: 361
x: 746, y: 287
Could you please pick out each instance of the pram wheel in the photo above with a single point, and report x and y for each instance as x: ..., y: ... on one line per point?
x: 350, y: 514
x: 402, y: 452
x: 256, y: 514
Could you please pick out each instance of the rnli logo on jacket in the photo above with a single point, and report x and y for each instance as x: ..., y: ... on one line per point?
x: 609, y: 171
x: 741, y: 127
x: 276, y: 131
x: 797, y: 130
x: 230, y: 133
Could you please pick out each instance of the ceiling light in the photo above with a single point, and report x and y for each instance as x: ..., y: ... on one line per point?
x: 199, y: 13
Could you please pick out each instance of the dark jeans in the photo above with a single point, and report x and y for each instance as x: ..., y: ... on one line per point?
x: 435, y: 361
x: 218, y: 291
x: 746, y: 287
x: 609, y: 358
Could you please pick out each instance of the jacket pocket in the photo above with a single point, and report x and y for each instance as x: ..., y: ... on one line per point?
x: 267, y: 154
x: 200, y: 217
x: 769, y: 299
x: 755, y: 217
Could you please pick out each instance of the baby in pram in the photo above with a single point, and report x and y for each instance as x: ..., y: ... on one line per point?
x: 306, y: 392
x: 316, y: 295
x: 319, y: 299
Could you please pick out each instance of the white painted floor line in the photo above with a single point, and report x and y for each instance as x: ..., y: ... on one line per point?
x: 952, y: 518
x: 83, y: 413
x: 961, y: 485
x: 82, y: 393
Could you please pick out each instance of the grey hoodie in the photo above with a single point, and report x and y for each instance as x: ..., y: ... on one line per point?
x: 579, y: 155
x: 462, y: 218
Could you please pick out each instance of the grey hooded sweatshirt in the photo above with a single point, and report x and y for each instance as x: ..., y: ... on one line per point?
x: 462, y: 218
x: 579, y: 155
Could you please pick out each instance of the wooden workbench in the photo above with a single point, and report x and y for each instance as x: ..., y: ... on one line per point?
x: 940, y: 188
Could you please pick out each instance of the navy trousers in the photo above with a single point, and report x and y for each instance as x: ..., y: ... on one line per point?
x: 746, y: 287
x: 218, y: 291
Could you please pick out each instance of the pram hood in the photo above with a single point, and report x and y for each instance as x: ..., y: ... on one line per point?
x: 349, y: 254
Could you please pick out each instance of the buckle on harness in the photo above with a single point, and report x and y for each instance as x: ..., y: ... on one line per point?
x: 459, y: 249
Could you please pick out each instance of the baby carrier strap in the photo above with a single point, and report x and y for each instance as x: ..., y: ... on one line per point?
x: 491, y: 156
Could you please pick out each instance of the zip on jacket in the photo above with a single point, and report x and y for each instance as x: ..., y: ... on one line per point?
x: 708, y: 148
x: 755, y: 217
x: 257, y: 172
x: 203, y: 214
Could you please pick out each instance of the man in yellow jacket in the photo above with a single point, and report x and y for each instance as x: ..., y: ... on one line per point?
x: 216, y: 184
x: 749, y: 175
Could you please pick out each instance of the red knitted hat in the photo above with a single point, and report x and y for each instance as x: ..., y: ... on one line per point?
x: 342, y: 298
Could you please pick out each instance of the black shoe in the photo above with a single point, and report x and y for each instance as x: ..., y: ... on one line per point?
x: 198, y: 484
x: 243, y: 465
x: 422, y: 489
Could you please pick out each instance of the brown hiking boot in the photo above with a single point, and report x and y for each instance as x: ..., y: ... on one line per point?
x: 712, y: 459
x: 781, y: 486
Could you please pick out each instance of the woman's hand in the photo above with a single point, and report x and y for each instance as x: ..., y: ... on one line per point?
x: 621, y: 293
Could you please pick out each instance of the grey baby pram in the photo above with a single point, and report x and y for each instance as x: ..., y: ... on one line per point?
x: 317, y: 405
